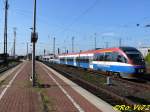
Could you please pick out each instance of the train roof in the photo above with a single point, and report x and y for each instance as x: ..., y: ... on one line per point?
x: 90, y: 52
x: 128, y: 49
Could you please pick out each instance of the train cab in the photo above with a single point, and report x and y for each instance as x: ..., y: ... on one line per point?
x: 136, y: 59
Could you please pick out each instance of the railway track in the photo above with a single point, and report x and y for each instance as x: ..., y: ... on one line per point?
x: 3, y: 69
x: 137, y: 83
x: 142, y: 82
x: 121, y: 92
x: 111, y: 98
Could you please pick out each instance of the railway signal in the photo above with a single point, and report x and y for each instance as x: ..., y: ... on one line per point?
x: 54, y: 39
x: 109, y: 80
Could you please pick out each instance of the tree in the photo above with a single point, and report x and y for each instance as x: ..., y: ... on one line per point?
x: 147, y: 58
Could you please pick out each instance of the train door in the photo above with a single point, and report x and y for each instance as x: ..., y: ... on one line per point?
x: 98, y: 61
x: 74, y: 61
x: 91, y: 62
x: 65, y: 60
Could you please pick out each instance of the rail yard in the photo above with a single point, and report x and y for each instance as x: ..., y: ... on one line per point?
x: 74, y: 56
x: 129, y: 91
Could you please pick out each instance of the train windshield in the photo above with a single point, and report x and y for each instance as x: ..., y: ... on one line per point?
x: 135, y: 57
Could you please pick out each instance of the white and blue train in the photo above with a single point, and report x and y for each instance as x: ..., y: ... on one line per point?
x: 125, y: 62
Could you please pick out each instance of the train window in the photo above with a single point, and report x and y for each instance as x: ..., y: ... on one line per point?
x: 90, y: 58
x: 86, y: 59
x: 69, y: 59
x: 121, y: 58
x: 62, y: 59
x: 95, y: 57
x: 99, y: 57
x: 80, y: 59
x: 77, y: 59
x: 83, y: 59
x: 108, y: 56
x: 136, y: 58
x: 125, y: 60
x: 114, y: 56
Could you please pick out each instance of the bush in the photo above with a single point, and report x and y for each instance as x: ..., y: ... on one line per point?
x: 147, y: 58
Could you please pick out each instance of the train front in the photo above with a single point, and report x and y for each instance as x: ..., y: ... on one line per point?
x: 137, y: 62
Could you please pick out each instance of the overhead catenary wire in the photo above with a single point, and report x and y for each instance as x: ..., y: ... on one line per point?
x: 82, y: 14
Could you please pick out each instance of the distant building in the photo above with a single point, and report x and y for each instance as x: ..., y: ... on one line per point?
x: 47, y: 57
x: 29, y: 56
x: 144, y: 50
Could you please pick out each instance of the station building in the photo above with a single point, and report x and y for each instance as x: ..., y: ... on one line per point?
x: 47, y: 57
x: 144, y: 50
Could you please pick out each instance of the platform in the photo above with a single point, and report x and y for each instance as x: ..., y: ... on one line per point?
x: 54, y: 93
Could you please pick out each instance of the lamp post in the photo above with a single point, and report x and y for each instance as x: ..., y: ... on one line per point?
x: 72, y: 44
x: 5, y: 31
x: 27, y: 52
x: 95, y: 41
x: 34, y: 37
x: 14, y: 46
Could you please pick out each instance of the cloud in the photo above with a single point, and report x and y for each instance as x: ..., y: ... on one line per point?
x: 108, y: 34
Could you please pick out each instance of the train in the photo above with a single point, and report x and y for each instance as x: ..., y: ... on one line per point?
x: 125, y: 62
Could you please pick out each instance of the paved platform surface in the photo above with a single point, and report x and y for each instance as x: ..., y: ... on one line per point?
x: 52, y: 94
x: 16, y: 94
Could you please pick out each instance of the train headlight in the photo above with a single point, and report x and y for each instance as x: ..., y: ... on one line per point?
x: 141, y: 70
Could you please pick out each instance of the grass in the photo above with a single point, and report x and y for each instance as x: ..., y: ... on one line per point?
x: 93, y: 79
x: 47, y: 102
x: 2, y: 82
x: 85, y: 75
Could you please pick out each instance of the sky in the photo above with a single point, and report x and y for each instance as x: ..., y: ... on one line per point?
x: 107, y: 20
